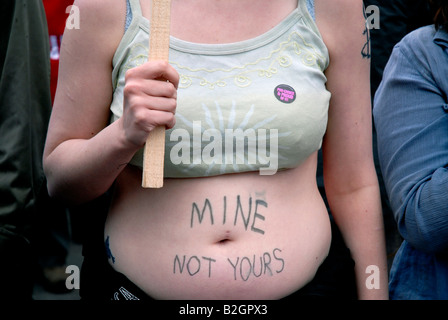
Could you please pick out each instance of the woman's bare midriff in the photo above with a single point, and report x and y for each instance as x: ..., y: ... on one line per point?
x: 237, y: 236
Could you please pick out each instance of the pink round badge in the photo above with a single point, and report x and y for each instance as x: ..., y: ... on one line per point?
x: 285, y: 93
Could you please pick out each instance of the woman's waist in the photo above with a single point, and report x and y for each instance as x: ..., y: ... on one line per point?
x: 225, y: 235
x: 226, y: 218
x: 200, y: 266
x: 218, y: 208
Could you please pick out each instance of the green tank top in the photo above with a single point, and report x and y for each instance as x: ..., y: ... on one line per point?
x: 255, y: 105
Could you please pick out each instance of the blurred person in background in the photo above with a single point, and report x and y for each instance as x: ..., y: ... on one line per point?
x: 25, y: 105
x: 53, y: 225
x: 411, y: 118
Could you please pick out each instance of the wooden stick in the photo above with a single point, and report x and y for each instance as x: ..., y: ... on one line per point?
x: 159, y: 43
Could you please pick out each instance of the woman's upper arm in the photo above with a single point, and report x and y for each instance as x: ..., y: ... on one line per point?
x: 351, y: 183
x: 84, y: 91
x: 347, y: 147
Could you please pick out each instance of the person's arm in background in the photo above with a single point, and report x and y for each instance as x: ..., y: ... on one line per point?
x: 411, y: 118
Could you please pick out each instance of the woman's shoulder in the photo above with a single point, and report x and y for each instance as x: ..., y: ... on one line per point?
x: 99, y: 29
x: 339, y: 9
x: 101, y: 13
x: 342, y: 24
x: 100, y: 6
